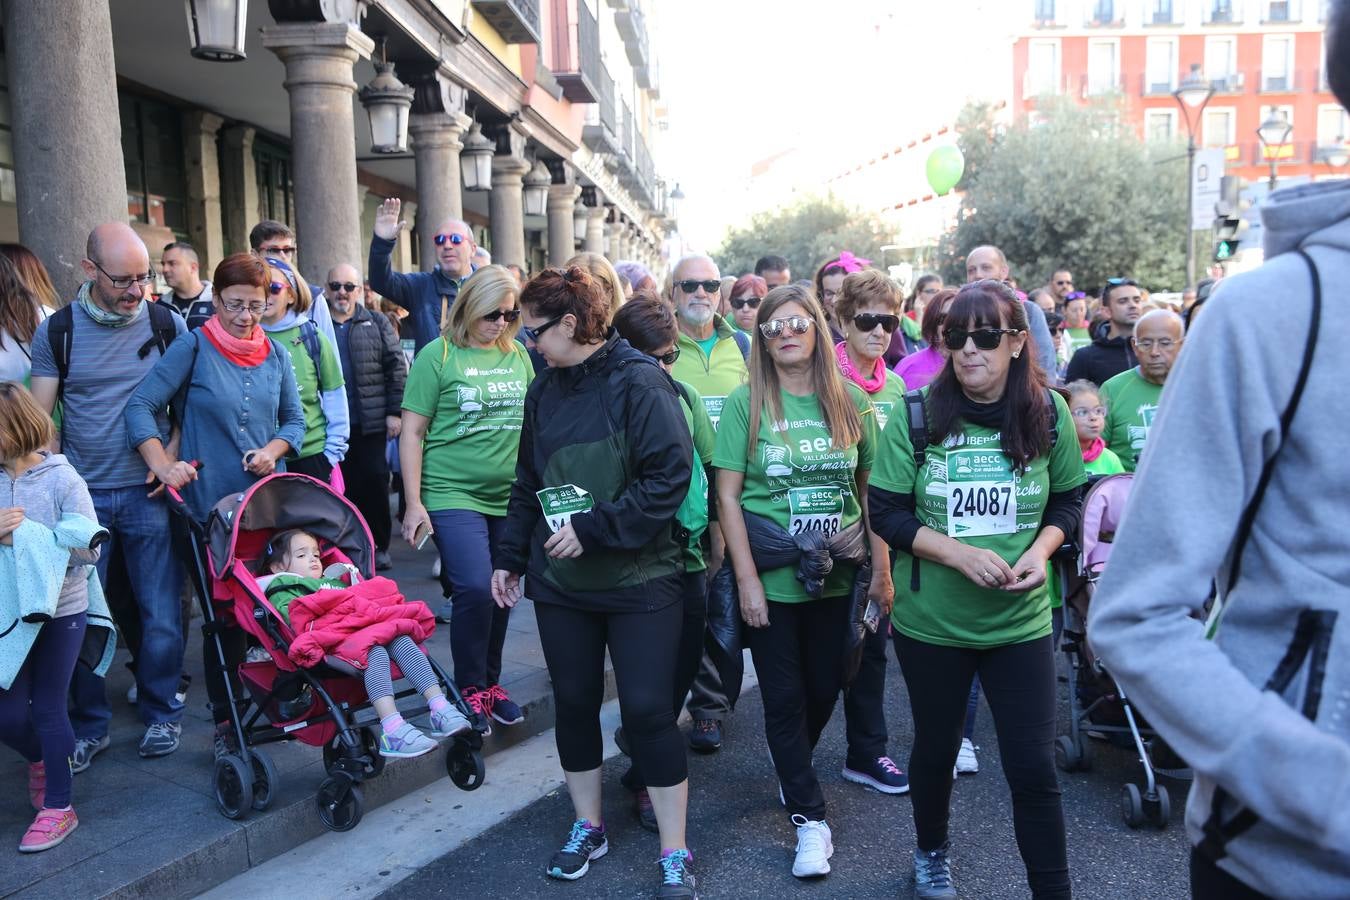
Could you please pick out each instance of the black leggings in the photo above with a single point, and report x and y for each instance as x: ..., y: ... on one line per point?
x: 643, y: 647
x: 1019, y: 686
x: 1209, y: 882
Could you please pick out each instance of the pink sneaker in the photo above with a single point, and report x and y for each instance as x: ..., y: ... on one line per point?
x: 50, y: 828
x: 481, y: 704
x: 37, y: 784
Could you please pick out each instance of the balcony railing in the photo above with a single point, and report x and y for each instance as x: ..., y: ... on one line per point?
x: 626, y: 133
x: 1160, y: 12
x: 1104, y: 13
x: 576, y: 51
x: 1222, y: 12
x: 517, y: 21
x: 601, y: 130
x: 632, y: 26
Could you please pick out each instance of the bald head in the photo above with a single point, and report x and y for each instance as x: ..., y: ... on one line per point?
x: 1157, y: 340
x: 1164, y: 318
x: 986, y: 261
x: 455, y: 259
x: 115, y: 253
x: 342, y: 301
x: 704, y: 264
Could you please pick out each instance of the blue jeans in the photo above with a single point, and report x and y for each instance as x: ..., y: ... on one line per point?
x: 140, y: 530
x: 465, y: 539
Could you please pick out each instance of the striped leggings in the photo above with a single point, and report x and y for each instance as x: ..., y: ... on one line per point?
x: 410, y: 658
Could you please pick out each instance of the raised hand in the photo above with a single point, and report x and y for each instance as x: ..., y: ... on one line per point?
x: 387, y: 223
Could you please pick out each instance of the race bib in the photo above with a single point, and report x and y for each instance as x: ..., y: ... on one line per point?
x: 714, y: 407
x: 561, y: 503
x: 883, y: 409
x: 981, y: 494
x: 815, y: 509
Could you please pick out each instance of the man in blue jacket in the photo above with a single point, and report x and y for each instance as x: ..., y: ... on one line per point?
x: 427, y: 296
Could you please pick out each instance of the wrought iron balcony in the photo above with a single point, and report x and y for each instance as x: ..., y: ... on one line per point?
x: 517, y: 21
x: 601, y: 132
x: 576, y: 51
x: 632, y: 26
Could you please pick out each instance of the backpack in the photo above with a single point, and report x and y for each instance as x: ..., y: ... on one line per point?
x: 309, y: 336
x: 61, y: 328
x: 743, y: 342
x: 692, y: 515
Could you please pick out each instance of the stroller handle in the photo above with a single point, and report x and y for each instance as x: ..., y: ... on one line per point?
x: 176, y: 502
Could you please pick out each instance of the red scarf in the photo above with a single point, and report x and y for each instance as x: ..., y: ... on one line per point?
x: 1094, y: 450
x: 871, y: 384
x: 247, y: 352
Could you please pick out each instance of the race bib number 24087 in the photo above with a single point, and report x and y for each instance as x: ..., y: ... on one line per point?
x: 981, y: 494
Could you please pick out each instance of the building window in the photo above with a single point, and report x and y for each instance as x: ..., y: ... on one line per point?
x: 1042, y: 68
x: 1277, y: 62
x: 1103, y: 12
x: 1160, y: 12
x: 1221, y: 11
x: 1103, y: 68
x: 1333, y: 125
x: 152, y: 150
x: 1221, y: 63
x: 1160, y: 125
x: 273, y: 163
x: 1220, y: 129
x: 1279, y: 11
x: 1045, y: 12
x: 1161, y: 66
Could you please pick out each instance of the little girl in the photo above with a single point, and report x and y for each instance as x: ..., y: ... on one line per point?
x: 1089, y: 418
x: 41, y: 487
x: 293, y: 558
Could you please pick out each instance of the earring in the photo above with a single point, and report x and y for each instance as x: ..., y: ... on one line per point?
x: 1016, y: 353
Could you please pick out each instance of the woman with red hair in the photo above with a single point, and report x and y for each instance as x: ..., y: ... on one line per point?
x: 746, y: 293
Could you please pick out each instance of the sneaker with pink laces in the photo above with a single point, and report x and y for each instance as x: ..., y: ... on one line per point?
x: 37, y: 784
x: 502, y: 707
x: 50, y: 828
x: 481, y: 704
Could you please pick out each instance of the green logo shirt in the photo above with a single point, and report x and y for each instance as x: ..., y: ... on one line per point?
x: 1131, y: 403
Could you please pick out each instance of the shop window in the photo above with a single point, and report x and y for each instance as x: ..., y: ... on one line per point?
x: 152, y: 153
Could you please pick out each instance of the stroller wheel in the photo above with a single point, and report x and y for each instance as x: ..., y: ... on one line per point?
x: 371, y: 741
x: 1132, y: 805
x: 465, y: 767
x: 340, y: 803
x: 266, y: 781
x: 1067, y: 757
x: 374, y: 765
x: 233, y: 782
x: 1160, y: 810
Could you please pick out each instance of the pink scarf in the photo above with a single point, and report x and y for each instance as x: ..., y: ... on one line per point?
x: 247, y: 352
x: 1094, y: 450
x: 871, y: 384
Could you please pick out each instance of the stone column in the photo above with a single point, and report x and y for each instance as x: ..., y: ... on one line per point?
x: 505, y: 208
x: 319, y: 57
x: 238, y: 187
x: 595, y: 230
x: 403, y: 251
x: 436, y: 124
x: 562, y: 200
x: 203, y: 188
x: 67, y: 137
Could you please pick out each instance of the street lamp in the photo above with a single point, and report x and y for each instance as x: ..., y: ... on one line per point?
x: 475, y: 160
x: 535, y: 191
x: 387, y: 101
x: 216, y: 29
x: 675, y: 197
x: 1273, y: 134
x: 1193, y: 93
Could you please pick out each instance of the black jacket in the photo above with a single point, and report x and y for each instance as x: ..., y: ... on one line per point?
x: 378, y: 371
x: 1104, y: 358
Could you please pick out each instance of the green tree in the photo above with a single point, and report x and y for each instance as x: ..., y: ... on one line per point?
x: 978, y: 135
x: 807, y: 234
x: 1077, y: 189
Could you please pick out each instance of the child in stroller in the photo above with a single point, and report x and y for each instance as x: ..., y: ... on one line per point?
x: 293, y: 559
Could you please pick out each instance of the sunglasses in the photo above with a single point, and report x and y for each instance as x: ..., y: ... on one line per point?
x: 533, y: 334
x: 743, y: 302
x: 336, y: 286
x: 510, y: 315
x: 276, y: 287
x: 285, y: 251
x: 1117, y: 282
x: 668, y: 359
x: 454, y: 239
x: 794, y: 324
x: 690, y: 286
x: 1063, y: 283
x: 865, y: 322
x: 984, y: 338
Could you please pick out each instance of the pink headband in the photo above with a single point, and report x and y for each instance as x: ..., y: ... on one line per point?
x: 850, y: 263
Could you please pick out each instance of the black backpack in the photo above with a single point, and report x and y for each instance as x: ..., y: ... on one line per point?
x: 61, y: 327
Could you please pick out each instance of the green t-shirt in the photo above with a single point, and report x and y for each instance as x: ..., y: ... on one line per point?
x: 1131, y: 403
x: 712, y: 372
x: 1107, y: 463
x: 475, y: 399
x: 309, y: 383
x: 889, y: 401
x: 967, y: 486
x: 1076, y: 339
x: 796, y: 478
x: 287, y: 586
x: 701, y: 428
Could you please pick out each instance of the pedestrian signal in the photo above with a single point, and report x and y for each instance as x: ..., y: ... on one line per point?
x: 1225, y: 250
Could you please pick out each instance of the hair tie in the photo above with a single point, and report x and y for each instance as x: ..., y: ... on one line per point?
x: 850, y: 263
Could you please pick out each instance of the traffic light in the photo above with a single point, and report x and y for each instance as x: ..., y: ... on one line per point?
x: 1225, y: 250
x: 1226, y: 230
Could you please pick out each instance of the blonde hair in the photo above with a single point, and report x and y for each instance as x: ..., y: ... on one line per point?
x: 600, y: 269
x: 304, y: 297
x: 482, y: 293
x: 840, y: 413
x: 24, y: 427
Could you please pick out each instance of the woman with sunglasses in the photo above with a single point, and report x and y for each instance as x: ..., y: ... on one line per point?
x: 918, y: 369
x: 462, y: 409
x: 746, y: 294
x: 973, y: 516
x: 794, y: 448
x: 318, y: 372
x: 604, y: 465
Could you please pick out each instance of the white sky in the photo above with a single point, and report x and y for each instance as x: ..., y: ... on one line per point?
x: 745, y: 79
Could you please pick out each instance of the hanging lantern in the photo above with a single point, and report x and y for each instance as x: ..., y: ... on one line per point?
x: 475, y: 160
x: 537, y: 181
x: 216, y: 29
x: 387, y: 101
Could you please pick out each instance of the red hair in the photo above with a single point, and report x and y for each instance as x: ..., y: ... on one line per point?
x: 752, y: 284
x: 241, y: 268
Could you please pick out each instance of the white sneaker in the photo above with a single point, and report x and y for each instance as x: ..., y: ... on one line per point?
x: 814, y: 848
x: 966, y: 761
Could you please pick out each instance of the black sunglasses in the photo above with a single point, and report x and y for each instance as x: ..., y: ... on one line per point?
x: 336, y: 286
x: 690, y: 286
x: 532, y: 334
x: 454, y: 239
x: 743, y: 302
x: 276, y: 287
x: 984, y: 338
x: 668, y: 359
x: 509, y: 315
x: 869, y: 321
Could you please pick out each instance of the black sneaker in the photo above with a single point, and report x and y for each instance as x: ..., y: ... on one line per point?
x: 706, y: 736
x: 880, y: 774
x: 585, y: 843
x: 85, y: 751
x: 161, y: 739
x: 646, y: 813
x: 677, y: 877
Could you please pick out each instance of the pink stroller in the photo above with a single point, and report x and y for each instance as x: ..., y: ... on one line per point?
x: 1096, y: 702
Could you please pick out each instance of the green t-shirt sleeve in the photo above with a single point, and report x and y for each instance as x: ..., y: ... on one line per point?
x: 733, y: 432
x: 895, y: 470
x: 330, y: 367
x: 871, y: 433
x: 422, y: 390
x: 1066, y: 457
x: 705, y: 436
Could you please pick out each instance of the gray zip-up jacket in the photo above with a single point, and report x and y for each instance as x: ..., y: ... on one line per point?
x: 46, y: 492
x: 1216, y: 426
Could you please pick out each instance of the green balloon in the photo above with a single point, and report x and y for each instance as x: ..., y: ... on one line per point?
x: 945, y: 167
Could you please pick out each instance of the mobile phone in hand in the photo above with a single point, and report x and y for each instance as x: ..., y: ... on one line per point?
x: 872, y: 616
x: 421, y: 535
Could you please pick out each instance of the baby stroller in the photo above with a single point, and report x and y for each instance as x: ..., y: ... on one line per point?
x: 1096, y: 702
x: 324, y: 706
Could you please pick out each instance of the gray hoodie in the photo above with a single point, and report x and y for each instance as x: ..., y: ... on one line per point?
x: 45, y: 492
x: 1217, y: 423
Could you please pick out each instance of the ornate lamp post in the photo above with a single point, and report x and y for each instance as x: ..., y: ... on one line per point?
x: 1273, y: 134
x: 1193, y: 93
x: 216, y: 28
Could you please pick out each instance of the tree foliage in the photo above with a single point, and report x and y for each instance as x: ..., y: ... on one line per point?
x: 807, y: 234
x: 1078, y: 189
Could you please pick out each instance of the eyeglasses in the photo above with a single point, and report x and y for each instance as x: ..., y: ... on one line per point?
x: 984, y: 338
x: 690, y: 286
x: 775, y: 327
x: 276, y: 287
x: 234, y: 306
x: 1163, y: 344
x: 1074, y: 295
x: 510, y: 315
x: 930, y: 291
x: 454, y: 239
x: 869, y: 321
x: 743, y: 302
x: 122, y: 282
x: 347, y: 286
x: 1089, y: 412
x: 284, y: 251
x: 668, y: 359
x: 1064, y: 282
x: 533, y: 334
